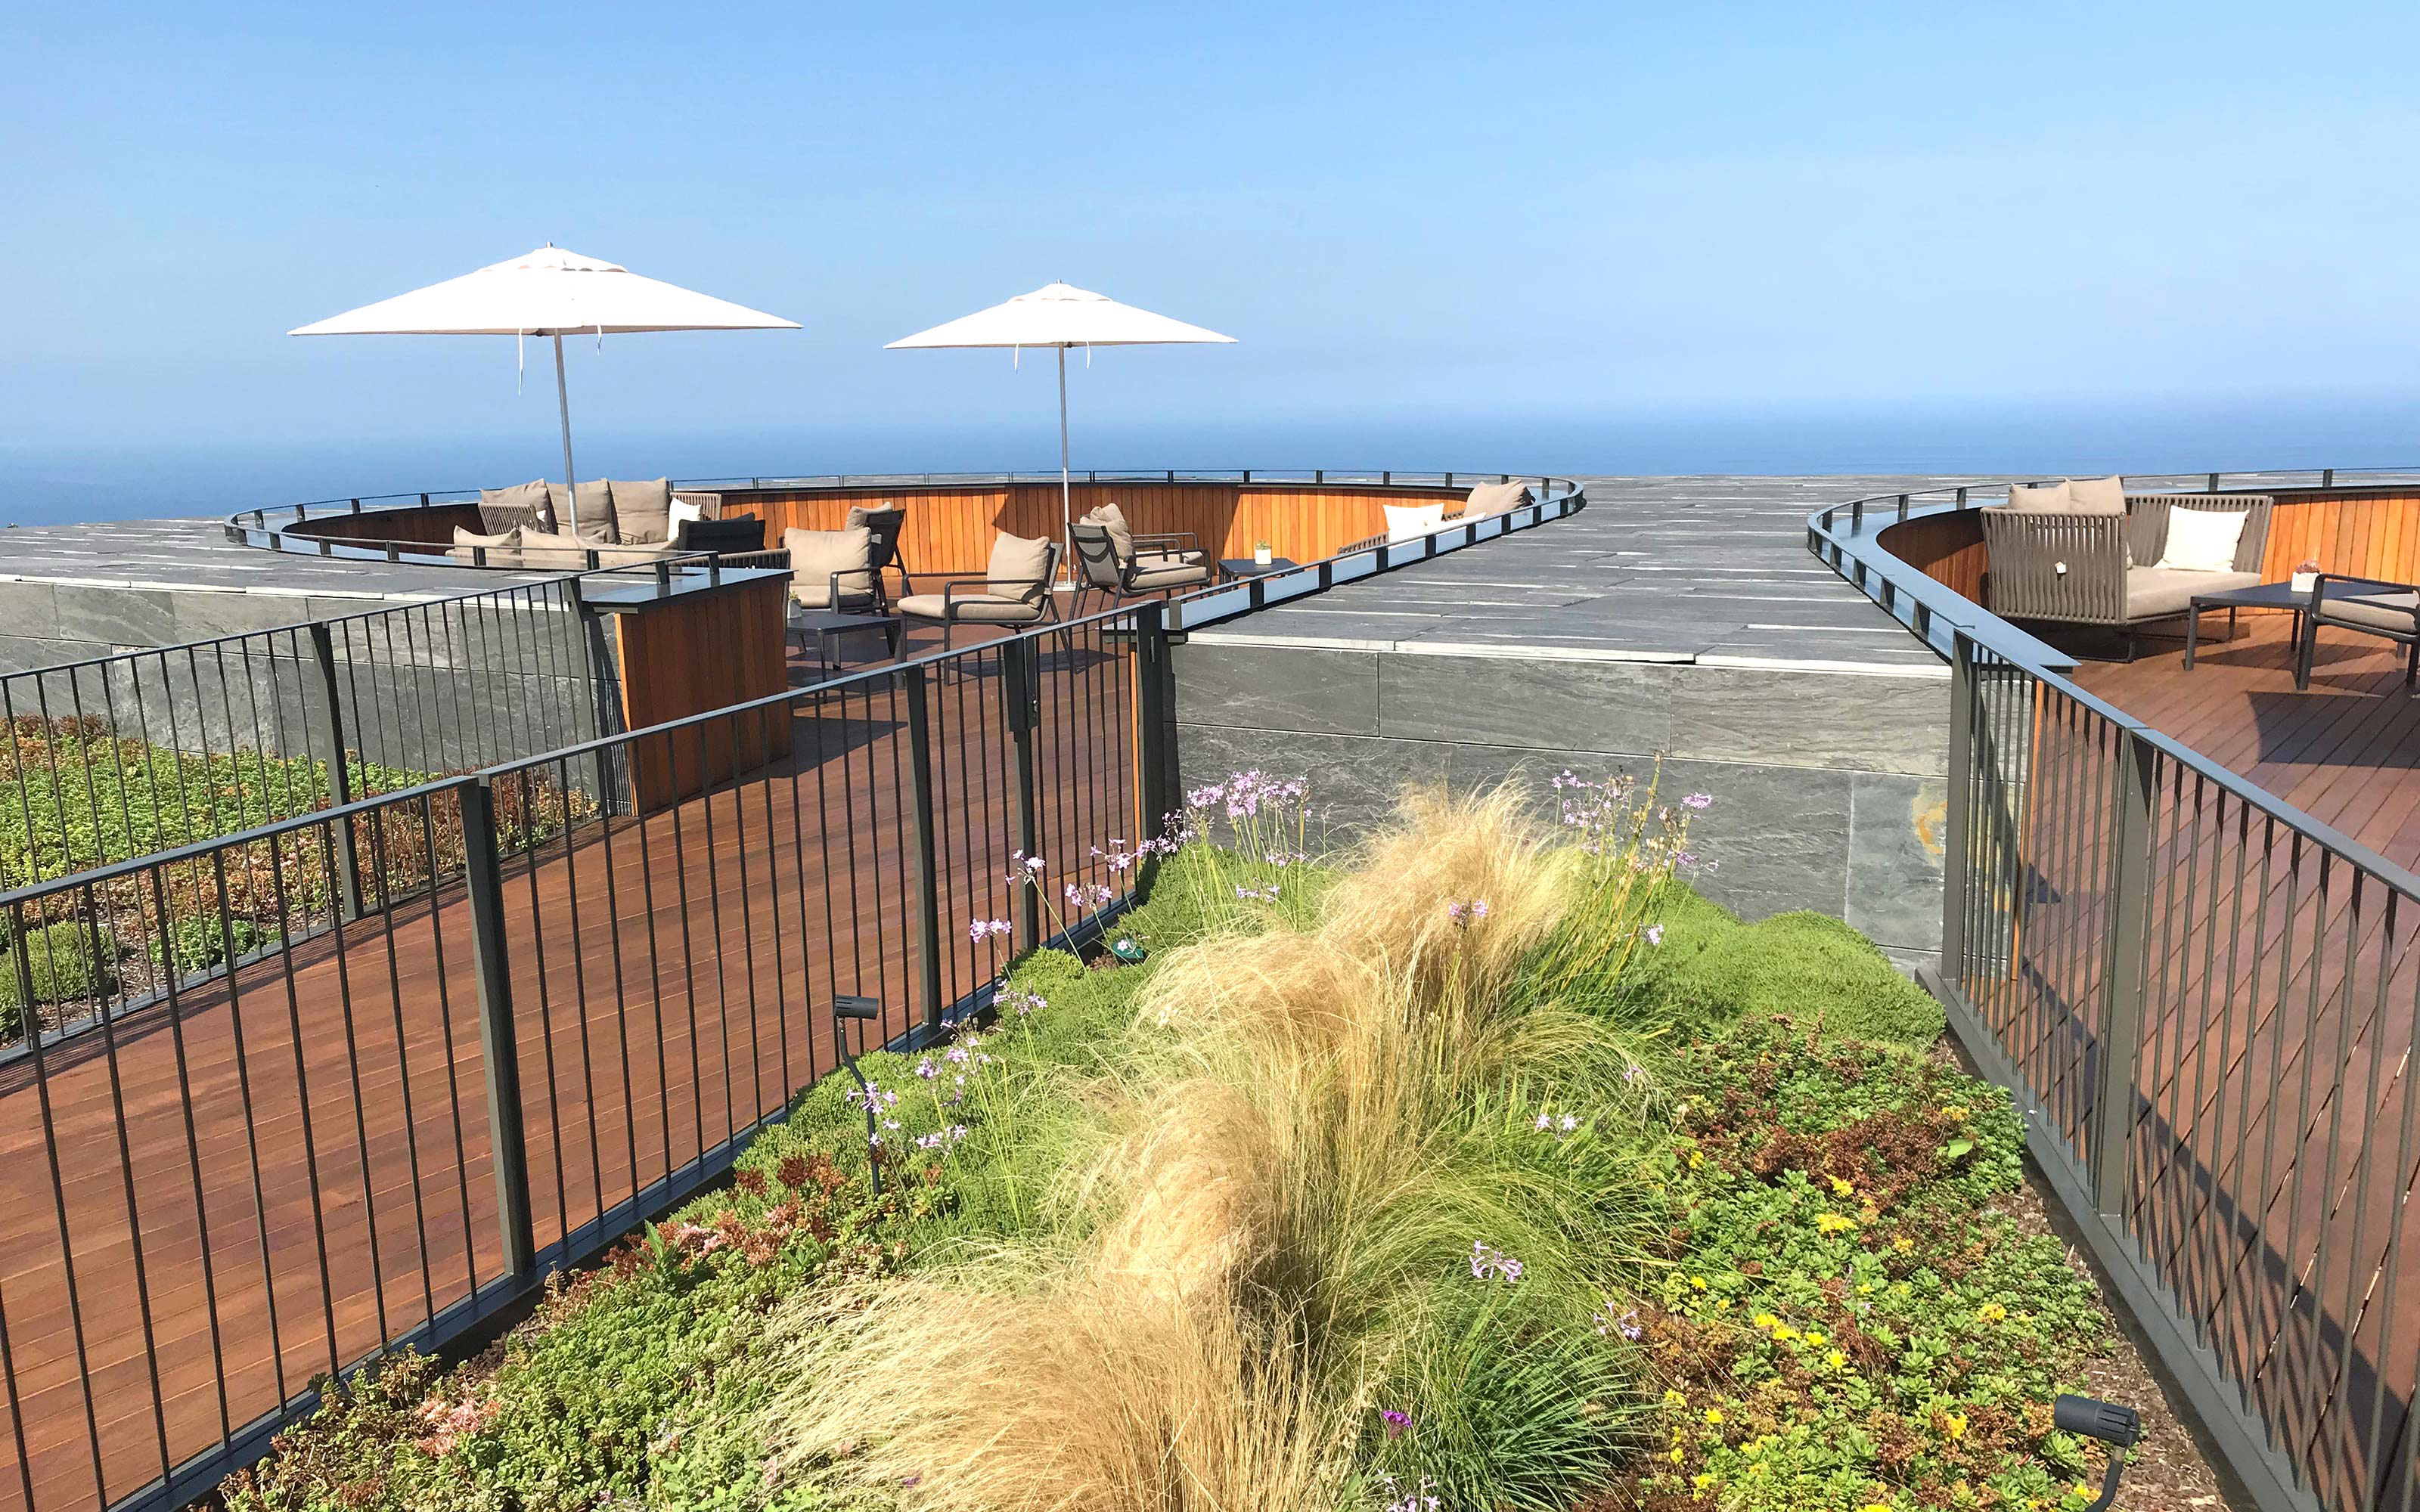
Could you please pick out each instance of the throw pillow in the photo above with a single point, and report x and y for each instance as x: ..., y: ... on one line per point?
x: 2203, y: 540
x: 2106, y: 494
x: 596, y: 513
x: 1409, y: 522
x: 1496, y: 499
x: 524, y: 504
x: 643, y: 509
x: 816, y: 555
x: 1017, y: 566
x: 2047, y: 495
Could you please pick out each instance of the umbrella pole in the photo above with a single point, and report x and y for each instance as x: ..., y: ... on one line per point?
x: 1066, y: 508
x: 562, y: 406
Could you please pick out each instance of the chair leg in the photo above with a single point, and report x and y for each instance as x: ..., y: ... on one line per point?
x: 2305, y: 651
x: 2411, y: 663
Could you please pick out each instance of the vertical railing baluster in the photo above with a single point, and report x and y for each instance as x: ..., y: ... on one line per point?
x: 1961, y: 820
x: 1020, y: 692
x: 2119, y: 1029
x: 928, y: 890
x: 1155, y: 742
x: 498, y: 1046
x: 328, y: 743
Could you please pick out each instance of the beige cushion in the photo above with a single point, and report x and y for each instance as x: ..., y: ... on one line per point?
x: 2049, y: 496
x: 500, y: 548
x: 1171, y: 574
x: 987, y: 609
x: 596, y: 498
x: 2203, y: 540
x: 2098, y: 494
x: 2386, y: 612
x: 1496, y: 498
x: 510, y: 509
x: 815, y: 555
x: 1018, y: 564
x: 1113, y: 519
x: 556, y: 551
x: 2153, y: 590
x: 642, y: 510
x: 1409, y: 522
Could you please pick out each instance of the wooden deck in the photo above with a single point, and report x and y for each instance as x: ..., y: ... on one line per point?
x: 305, y: 1149
x: 2347, y: 751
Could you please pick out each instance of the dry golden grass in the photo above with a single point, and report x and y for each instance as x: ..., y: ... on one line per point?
x: 1280, y: 1187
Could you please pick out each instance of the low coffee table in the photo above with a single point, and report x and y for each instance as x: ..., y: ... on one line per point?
x: 828, y: 626
x: 1237, y: 569
x: 2270, y: 595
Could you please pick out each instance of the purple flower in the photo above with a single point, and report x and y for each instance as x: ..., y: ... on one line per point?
x: 1654, y: 933
x: 1488, y: 1261
x: 1699, y: 800
x: 1396, y: 1422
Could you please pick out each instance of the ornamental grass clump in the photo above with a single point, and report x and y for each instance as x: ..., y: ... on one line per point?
x: 1316, y: 1248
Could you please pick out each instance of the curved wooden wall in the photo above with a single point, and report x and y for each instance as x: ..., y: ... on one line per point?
x: 950, y: 527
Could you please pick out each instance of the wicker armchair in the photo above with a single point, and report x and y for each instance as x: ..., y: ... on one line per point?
x: 2085, y: 567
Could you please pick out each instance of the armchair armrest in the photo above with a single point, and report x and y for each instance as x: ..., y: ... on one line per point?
x: 1192, y: 542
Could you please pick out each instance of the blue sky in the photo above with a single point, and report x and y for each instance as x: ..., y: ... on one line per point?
x: 1606, y: 232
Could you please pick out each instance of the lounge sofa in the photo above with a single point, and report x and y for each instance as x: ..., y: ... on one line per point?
x: 2087, y: 552
x: 621, y: 522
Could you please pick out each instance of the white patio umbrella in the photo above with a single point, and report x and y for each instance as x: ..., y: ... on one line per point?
x: 1060, y: 315
x: 549, y: 292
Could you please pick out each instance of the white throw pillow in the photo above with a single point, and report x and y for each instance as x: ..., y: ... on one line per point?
x: 2203, y: 540
x: 682, y: 509
x: 1409, y: 522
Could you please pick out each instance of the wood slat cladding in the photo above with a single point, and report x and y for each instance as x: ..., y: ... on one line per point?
x: 1946, y: 547
x: 2374, y: 533
x: 687, y: 655
x: 432, y: 525
x: 950, y: 529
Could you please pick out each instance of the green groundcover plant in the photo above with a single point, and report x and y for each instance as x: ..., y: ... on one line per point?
x: 1756, y: 1259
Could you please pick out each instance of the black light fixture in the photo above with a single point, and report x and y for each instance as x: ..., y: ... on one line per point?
x: 2121, y: 1427
x: 866, y: 1011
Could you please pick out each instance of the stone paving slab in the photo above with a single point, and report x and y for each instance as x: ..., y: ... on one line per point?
x: 1712, y: 570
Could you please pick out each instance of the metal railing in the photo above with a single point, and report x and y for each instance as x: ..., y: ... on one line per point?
x: 2205, y: 1002
x: 118, y: 757
x: 573, y: 984
x: 286, y: 528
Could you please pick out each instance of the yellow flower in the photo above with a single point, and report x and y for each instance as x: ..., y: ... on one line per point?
x: 1783, y: 1334
x: 1675, y: 1399
x: 1814, y: 1339
x: 1698, y: 1282
x: 1843, y: 1188
x: 1838, y: 1359
x: 1865, y: 1289
x: 1714, y: 1414
x: 1876, y: 1506
x: 1702, y: 1482
x: 1902, y: 1243
x: 1953, y: 1112
x: 1957, y: 1425
x: 1677, y: 1457
x: 1766, y: 1320
x: 1832, y: 1223
x: 1992, y: 1312
x: 2079, y: 1489
x: 1695, y: 1160
x: 1722, y: 1304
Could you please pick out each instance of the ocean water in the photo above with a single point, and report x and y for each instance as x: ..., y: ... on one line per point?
x: 48, y: 482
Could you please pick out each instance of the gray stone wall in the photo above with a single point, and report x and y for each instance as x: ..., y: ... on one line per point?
x: 1829, y: 786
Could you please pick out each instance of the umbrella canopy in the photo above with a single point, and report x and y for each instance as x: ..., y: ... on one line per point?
x: 549, y: 292
x: 1060, y: 315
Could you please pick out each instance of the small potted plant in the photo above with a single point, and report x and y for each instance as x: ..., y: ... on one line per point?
x: 1261, y: 555
x: 2306, y: 576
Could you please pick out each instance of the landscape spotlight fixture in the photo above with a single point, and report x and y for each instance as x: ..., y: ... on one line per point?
x: 2120, y: 1428
x: 865, y: 1011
